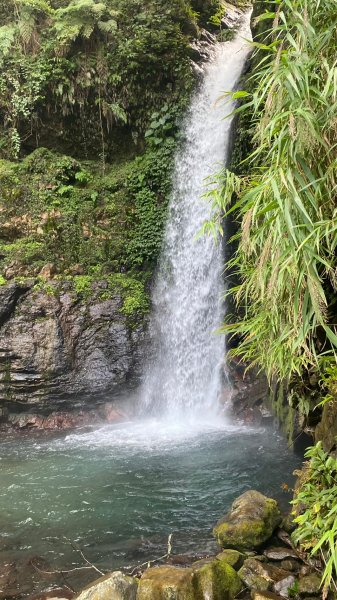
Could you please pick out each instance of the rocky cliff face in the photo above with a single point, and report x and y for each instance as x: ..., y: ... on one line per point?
x: 56, y: 347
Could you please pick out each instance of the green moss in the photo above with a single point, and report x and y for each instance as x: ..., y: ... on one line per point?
x: 216, y: 580
x: 250, y: 523
x: 51, y: 289
x: 247, y: 534
x: 234, y: 558
x: 166, y: 583
x: 135, y: 299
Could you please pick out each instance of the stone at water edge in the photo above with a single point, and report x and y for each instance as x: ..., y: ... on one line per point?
x: 215, y: 580
x: 115, y: 586
x: 260, y: 576
x: 207, y: 578
x: 234, y: 558
x: 250, y: 522
x: 166, y: 583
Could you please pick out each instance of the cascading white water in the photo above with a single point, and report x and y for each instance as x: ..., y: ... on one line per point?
x: 185, y: 377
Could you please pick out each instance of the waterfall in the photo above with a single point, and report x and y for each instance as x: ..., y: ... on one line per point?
x: 184, y: 378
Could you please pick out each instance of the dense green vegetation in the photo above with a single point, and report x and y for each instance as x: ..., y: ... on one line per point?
x: 315, y: 501
x: 91, y: 95
x: 62, y: 211
x: 90, y: 72
x: 286, y: 195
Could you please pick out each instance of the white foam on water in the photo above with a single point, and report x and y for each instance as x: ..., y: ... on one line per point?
x: 148, y: 435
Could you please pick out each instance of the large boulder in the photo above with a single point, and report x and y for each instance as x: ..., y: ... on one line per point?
x: 213, y: 579
x: 114, y: 586
x: 250, y: 522
x: 166, y: 583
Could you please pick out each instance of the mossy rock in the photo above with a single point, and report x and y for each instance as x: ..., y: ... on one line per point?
x: 250, y: 522
x: 166, y: 583
x: 209, y: 578
x: 215, y: 580
x: 260, y: 576
x: 234, y: 558
x: 310, y: 585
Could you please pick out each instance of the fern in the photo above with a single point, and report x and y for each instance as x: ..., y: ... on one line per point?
x: 80, y: 18
x: 7, y: 37
x: 30, y: 12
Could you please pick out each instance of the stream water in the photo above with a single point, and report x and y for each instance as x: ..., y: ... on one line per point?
x: 119, y: 491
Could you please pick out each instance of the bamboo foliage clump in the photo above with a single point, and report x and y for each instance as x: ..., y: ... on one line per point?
x: 286, y: 199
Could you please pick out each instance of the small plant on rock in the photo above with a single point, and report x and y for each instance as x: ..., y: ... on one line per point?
x: 315, y: 505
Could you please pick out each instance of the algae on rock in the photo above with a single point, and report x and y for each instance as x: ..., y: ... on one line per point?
x: 250, y: 522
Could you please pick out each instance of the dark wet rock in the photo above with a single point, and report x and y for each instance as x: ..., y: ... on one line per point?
x: 260, y: 576
x: 56, y: 594
x: 55, y: 348
x: 282, y: 587
x: 180, y: 560
x: 310, y: 585
x: 9, y: 296
x: 115, y: 586
x: 246, y: 397
x: 284, y: 537
x: 326, y: 430
x: 288, y: 523
x: 290, y: 565
x: 279, y: 553
x: 250, y: 522
x: 234, y: 558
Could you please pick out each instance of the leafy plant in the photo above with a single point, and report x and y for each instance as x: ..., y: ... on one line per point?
x: 315, y: 505
x: 286, y: 196
x: 108, y: 65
